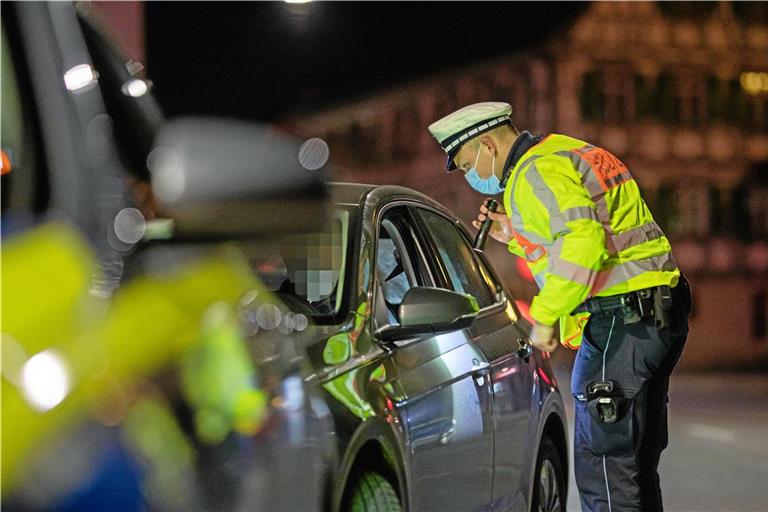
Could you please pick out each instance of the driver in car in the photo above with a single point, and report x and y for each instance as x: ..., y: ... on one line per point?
x: 312, y: 264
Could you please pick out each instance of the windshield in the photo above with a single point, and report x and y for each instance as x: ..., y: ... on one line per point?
x: 306, y: 271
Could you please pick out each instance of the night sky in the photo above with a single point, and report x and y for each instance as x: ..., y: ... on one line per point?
x: 260, y: 60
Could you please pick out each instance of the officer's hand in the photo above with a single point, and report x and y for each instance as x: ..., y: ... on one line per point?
x: 542, y: 337
x: 501, y: 229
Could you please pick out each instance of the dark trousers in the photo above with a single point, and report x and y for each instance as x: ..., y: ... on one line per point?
x: 616, y: 464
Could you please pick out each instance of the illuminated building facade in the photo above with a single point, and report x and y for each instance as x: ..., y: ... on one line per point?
x: 678, y: 90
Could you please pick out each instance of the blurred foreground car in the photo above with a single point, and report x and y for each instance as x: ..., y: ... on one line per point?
x: 437, y: 402
x: 144, y: 365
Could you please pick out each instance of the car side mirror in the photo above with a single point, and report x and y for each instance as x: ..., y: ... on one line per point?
x: 223, y: 179
x: 427, y: 310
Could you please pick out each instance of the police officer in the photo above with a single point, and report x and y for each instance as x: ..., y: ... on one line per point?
x: 605, y: 270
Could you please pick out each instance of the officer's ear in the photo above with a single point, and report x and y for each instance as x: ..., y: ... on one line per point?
x: 489, y: 144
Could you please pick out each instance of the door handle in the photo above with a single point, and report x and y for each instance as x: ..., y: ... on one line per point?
x: 524, y: 350
x: 480, y: 368
x: 447, y: 433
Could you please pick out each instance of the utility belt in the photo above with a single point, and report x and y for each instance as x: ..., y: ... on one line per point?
x: 635, y: 306
x: 605, y: 401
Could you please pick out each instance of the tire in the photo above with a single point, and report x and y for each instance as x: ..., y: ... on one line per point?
x: 373, y: 493
x: 549, y: 488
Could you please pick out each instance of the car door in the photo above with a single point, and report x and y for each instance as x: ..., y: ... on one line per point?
x: 444, y: 379
x: 496, y: 336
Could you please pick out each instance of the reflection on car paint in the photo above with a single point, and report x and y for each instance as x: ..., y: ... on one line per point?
x: 219, y: 379
x: 338, y: 349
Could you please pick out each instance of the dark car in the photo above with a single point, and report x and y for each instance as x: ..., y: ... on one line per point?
x: 143, y: 368
x: 438, y: 402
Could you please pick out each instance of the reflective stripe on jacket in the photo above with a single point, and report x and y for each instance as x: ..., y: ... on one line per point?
x: 584, y: 230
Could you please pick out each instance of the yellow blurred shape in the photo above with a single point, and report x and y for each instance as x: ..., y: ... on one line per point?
x: 46, y: 307
x: 754, y: 82
x: 153, y: 430
x: 219, y: 379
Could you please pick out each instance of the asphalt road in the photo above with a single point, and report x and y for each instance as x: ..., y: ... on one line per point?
x: 717, y: 459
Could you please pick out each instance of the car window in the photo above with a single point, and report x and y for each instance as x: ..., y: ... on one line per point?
x: 390, y: 272
x: 394, y: 274
x: 307, y: 271
x: 461, y: 269
x: 399, y: 264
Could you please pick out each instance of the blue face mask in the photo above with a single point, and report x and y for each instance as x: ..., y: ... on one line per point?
x: 488, y: 186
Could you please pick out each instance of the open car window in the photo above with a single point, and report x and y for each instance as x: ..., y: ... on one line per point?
x: 308, y: 271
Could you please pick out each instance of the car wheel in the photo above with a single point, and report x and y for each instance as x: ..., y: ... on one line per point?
x: 549, y: 486
x: 373, y: 493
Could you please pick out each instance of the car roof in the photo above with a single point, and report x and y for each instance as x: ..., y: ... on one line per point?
x: 348, y: 193
x: 370, y: 196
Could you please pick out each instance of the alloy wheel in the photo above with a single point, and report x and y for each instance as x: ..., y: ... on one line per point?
x: 549, y: 493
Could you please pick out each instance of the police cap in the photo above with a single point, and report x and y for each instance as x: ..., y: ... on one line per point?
x: 466, y: 123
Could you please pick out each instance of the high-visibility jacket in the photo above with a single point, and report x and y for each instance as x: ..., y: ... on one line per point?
x: 583, y: 229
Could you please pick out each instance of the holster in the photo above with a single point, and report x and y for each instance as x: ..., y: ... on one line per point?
x: 604, y: 402
x: 662, y: 307
x: 683, y: 290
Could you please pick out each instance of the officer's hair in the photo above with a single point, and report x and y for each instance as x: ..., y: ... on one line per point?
x: 503, y: 132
